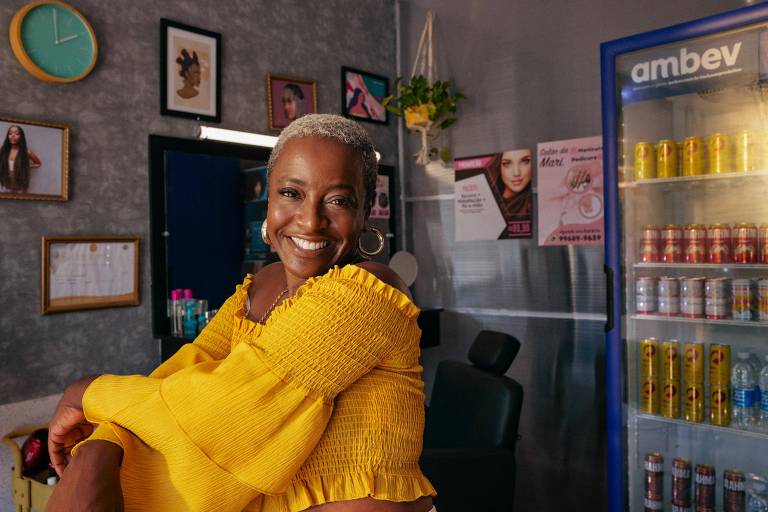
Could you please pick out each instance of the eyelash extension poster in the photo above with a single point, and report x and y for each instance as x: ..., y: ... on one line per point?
x: 493, y: 196
x: 570, y: 191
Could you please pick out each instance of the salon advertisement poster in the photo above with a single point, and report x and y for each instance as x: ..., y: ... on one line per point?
x: 380, y: 207
x: 493, y: 196
x: 570, y: 192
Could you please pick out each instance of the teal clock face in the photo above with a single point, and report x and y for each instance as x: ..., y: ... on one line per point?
x: 58, y: 41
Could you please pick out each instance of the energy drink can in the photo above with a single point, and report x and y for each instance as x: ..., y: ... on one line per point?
x: 693, y: 362
x: 693, y: 408
x: 719, y: 364
x: 719, y: 146
x: 720, y: 404
x: 666, y: 159
x: 645, y: 161
x: 670, y: 358
x: 746, y: 151
x: 649, y: 359
x: 650, y: 396
x: 670, y: 399
x: 693, y: 156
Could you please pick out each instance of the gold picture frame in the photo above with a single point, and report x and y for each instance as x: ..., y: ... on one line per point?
x: 44, y: 174
x: 302, y: 93
x: 89, y: 272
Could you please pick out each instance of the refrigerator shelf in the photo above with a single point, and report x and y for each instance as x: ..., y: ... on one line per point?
x: 661, y: 318
x: 701, y: 426
x: 721, y: 266
x: 688, y: 179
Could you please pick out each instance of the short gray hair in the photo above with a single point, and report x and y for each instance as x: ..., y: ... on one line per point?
x: 339, y: 129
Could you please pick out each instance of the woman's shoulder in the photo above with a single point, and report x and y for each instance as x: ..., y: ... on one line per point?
x: 385, y: 275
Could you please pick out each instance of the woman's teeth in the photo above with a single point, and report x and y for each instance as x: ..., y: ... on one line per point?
x: 310, y: 246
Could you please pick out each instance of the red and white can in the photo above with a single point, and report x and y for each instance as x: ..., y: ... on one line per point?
x: 669, y: 296
x: 692, y: 297
x: 672, y: 244
x: 762, y: 300
x: 695, y: 241
x: 762, y: 243
x: 646, y: 292
x: 650, y: 236
x: 719, y: 243
x: 745, y: 243
x: 717, y: 298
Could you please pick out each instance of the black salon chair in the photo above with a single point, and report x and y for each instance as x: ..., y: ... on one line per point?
x: 471, y: 428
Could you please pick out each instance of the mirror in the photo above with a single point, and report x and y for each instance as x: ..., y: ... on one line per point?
x: 405, y: 265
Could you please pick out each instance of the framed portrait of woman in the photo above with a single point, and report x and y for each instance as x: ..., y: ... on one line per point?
x: 34, y: 160
x: 190, y: 72
x: 289, y: 98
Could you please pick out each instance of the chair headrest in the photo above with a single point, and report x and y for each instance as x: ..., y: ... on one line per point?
x: 494, y: 351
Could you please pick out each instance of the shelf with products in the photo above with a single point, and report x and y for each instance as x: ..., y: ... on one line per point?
x: 682, y: 319
x: 686, y: 180
x: 726, y: 267
x: 701, y: 426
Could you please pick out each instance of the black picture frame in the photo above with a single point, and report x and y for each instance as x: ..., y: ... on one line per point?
x: 203, y: 104
x: 363, y: 109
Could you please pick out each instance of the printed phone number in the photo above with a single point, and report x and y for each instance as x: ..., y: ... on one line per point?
x: 580, y: 238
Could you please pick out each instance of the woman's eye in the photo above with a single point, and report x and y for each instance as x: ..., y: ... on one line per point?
x: 341, y: 201
x: 288, y: 192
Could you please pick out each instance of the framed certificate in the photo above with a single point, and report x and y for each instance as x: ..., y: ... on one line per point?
x: 89, y: 272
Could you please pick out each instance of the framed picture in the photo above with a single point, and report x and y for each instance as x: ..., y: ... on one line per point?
x: 190, y: 72
x: 289, y: 98
x: 34, y: 160
x: 362, y: 94
x: 89, y: 272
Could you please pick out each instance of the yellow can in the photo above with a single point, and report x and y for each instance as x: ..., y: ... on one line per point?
x: 746, y: 151
x: 693, y: 409
x: 719, y: 147
x: 666, y: 159
x: 693, y: 362
x: 719, y: 364
x: 670, y: 399
x: 670, y: 357
x: 693, y: 156
x: 649, y: 358
x: 649, y: 396
x: 645, y: 161
x: 720, y: 404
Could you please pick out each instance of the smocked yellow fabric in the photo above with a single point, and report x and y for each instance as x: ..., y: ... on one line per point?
x: 323, y: 403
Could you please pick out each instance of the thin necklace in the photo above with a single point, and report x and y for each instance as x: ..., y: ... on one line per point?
x: 268, y: 311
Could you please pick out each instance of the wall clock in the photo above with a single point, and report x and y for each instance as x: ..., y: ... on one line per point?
x: 53, y: 41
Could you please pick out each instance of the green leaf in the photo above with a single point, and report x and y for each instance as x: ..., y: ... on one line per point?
x: 447, y: 123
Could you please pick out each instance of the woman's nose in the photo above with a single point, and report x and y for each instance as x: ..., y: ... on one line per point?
x: 310, y: 216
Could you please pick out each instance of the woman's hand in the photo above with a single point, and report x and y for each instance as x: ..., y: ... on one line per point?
x: 91, y: 481
x: 68, y: 425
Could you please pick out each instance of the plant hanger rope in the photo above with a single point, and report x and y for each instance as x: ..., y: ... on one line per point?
x: 424, y: 59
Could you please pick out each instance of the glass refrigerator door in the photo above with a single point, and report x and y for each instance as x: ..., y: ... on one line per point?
x: 692, y: 155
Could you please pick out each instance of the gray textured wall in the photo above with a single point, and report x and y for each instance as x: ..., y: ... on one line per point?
x: 110, y: 115
x: 531, y: 71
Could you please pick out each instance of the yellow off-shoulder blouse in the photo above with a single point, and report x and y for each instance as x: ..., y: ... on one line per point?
x: 323, y: 403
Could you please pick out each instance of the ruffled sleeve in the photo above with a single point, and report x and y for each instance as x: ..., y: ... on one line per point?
x: 233, y: 428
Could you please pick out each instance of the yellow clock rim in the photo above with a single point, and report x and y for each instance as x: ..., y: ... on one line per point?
x: 21, y: 54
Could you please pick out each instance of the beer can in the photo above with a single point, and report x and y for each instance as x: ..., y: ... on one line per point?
x: 650, y: 396
x: 704, y: 482
x: 670, y: 398
x: 719, y: 364
x: 672, y: 244
x: 692, y: 297
x: 650, y: 237
x: 654, y: 476
x: 717, y: 302
x: 693, y: 156
x: 717, y: 288
x: 719, y: 153
x: 693, y: 362
x: 651, y: 505
x: 650, y: 367
x: 666, y: 159
x: 746, y: 151
x: 693, y: 402
x: 762, y: 300
x: 734, y: 491
x: 742, y: 292
x: 720, y: 404
x: 669, y: 296
x: 762, y: 243
x: 744, y: 243
x: 694, y: 241
x: 681, y: 482
x: 645, y: 161
x: 719, y: 243
x: 646, y: 295
x: 670, y: 360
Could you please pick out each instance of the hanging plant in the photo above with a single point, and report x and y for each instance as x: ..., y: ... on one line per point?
x: 426, y: 109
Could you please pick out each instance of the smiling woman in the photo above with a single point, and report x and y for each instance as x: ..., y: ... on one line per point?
x: 304, y: 391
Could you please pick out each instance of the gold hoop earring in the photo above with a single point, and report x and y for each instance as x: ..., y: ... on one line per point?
x: 264, y: 234
x: 379, y: 235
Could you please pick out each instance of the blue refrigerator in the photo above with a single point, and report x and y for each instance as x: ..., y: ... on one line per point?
x: 685, y: 133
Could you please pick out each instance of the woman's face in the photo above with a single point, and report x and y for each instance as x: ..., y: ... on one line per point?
x: 14, y: 135
x: 290, y: 105
x: 316, y: 208
x: 193, y: 75
x: 516, y: 169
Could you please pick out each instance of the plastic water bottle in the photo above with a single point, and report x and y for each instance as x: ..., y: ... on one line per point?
x: 757, y: 365
x: 743, y: 385
x: 763, y: 418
